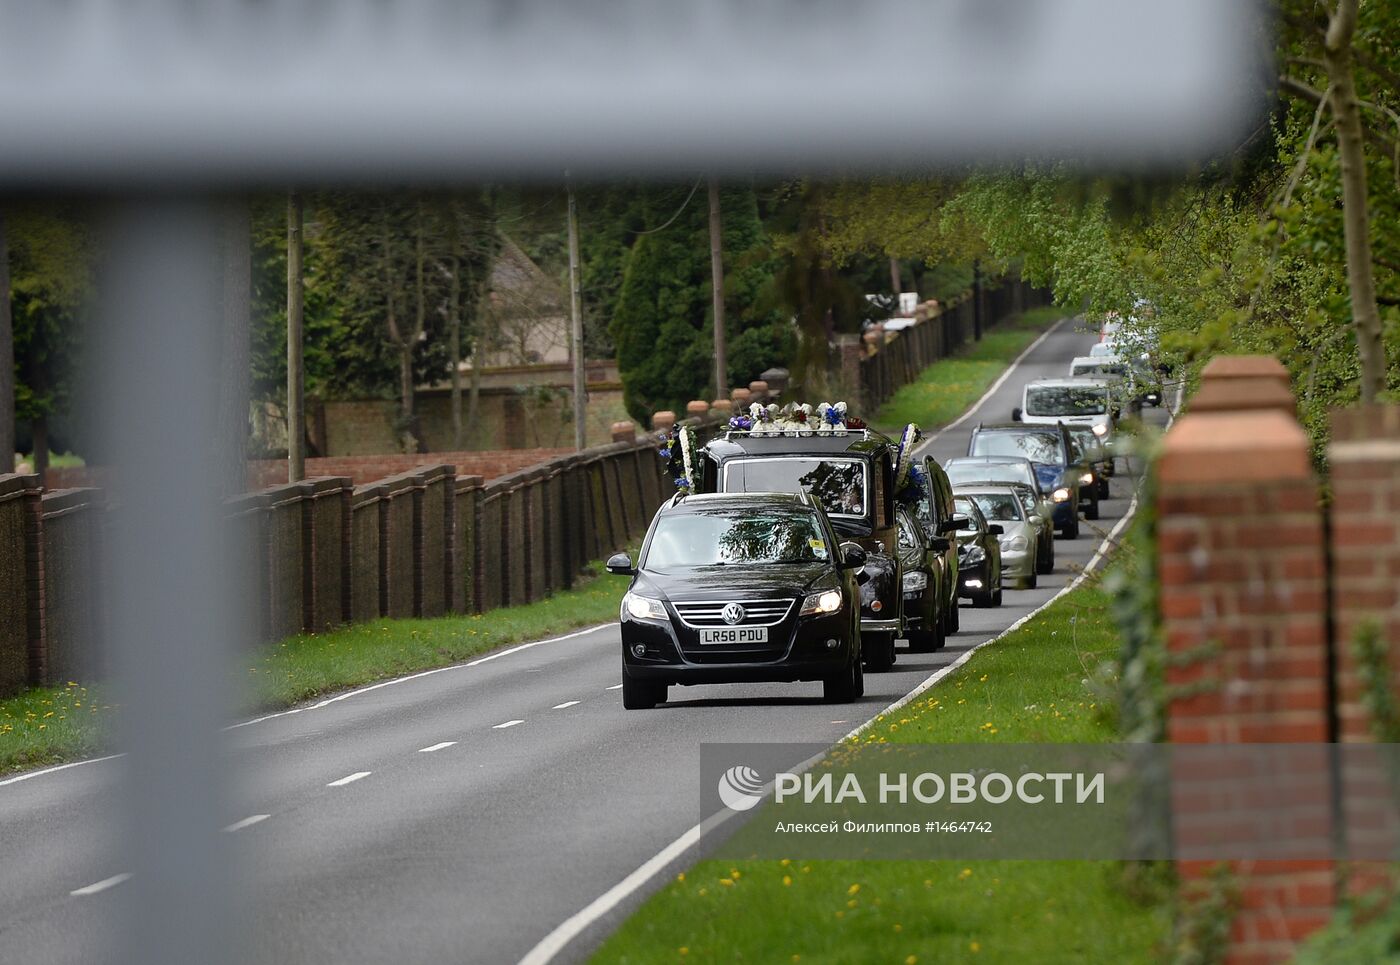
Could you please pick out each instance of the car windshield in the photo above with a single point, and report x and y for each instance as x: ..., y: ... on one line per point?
x: 1046, y: 447
x: 1070, y: 400
x: 999, y: 507
x: 734, y: 537
x: 838, y: 484
x: 1107, y: 369
x: 966, y: 507
x: 990, y: 472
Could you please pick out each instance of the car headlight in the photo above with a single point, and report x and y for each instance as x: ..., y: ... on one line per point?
x: 1087, y: 479
x: 915, y: 582
x: 1100, y: 430
x: 975, y: 554
x: 642, y: 607
x: 1060, y: 495
x: 827, y: 601
x: 1013, y: 543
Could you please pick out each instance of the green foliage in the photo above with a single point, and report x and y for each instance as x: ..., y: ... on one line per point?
x: 1205, y: 912
x: 663, y: 324
x: 1362, y: 932
x: 51, y: 255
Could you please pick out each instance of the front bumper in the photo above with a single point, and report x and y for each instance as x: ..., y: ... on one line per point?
x: 968, y: 575
x: 879, y: 626
x: 798, y: 648
x: 1017, y: 566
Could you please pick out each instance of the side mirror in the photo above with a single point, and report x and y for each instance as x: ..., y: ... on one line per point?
x: 1016, y: 414
x: 995, y: 529
x: 620, y: 564
x: 957, y: 522
x: 852, y: 556
x: 939, y: 544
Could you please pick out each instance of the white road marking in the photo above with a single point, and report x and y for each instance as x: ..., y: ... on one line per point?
x: 349, y: 778
x: 102, y: 885
x: 567, y: 703
x: 615, y: 687
x: 58, y: 767
x: 1001, y: 380
x: 247, y: 822
x: 509, y: 723
x: 418, y: 676
x: 435, y: 747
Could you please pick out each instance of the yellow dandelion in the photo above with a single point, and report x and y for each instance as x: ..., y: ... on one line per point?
x: 787, y: 880
x: 853, y: 889
x: 974, y: 947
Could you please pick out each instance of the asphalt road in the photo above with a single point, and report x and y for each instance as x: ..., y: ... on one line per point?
x: 462, y: 815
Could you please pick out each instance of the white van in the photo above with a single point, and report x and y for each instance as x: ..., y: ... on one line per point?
x: 1075, y: 402
x: 1109, y: 367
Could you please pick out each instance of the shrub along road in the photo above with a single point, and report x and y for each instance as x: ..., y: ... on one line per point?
x: 462, y: 814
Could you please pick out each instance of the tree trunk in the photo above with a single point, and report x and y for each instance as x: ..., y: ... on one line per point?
x: 895, y: 280
x: 235, y: 346
x: 717, y: 283
x: 474, y: 393
x: 7, y: 360
x: 454, y: 329
x: 296, y: 368
x: 1346, y: 113
x: 41, y: 447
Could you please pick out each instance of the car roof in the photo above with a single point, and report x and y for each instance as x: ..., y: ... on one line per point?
x: 855, y: 442
x: 989, y: 486
x: 741, y: 501
x: 986, y: 460
x: 1036, y: 427
x: 1097, y: 360
x: 1069, y: 381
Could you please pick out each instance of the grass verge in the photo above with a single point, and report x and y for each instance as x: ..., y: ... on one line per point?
x: 1029, y: 687
x: 52, y: 725
x: 948, y: 387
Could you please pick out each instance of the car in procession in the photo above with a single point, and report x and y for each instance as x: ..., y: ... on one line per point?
x: 1019, y: 473
x: 740, y: 587
x: 979, y: 556
x: 1002, y: 506
x: 1059, y: 466
x: 927, y: 583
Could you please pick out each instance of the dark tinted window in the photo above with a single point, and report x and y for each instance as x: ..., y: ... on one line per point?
x: 999, y: 507
x: 838, y: 484
x: 993, y: 472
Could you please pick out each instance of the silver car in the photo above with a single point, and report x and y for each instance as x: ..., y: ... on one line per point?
x: 1020, y: 536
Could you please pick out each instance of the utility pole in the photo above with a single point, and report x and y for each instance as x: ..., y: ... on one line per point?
x: 576, y: 326
x: 977, y: 299
x: 717, y: 283
x: 296, y: 381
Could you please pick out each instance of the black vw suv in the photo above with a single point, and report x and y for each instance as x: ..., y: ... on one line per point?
x: 740, y: 587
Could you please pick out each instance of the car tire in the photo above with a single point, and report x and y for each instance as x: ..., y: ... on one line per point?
x: 845, y: 686
x: 641, y: 694
x: 1103, y: 488
x: 1092, y: 511
x: 926, y: 641
x: 1045, y: 560
x: 952, y: 623
x: 996, y: 597
x: 1071, y: 530
x: 1030, y: 581
x: 879, y: 651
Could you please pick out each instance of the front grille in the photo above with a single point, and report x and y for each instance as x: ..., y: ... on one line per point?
x: 757, y: 613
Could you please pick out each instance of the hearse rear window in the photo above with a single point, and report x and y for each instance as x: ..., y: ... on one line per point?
x: 838, y: 484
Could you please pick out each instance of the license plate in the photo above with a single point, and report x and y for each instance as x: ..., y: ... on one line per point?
x: 735, y: 635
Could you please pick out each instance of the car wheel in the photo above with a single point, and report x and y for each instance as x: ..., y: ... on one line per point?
x: 925, y: 641
x: 996, y: 597
x: 1092, y: 512
x: 1045, y: 559
x: 845, y: 686
x: 1103, y: 489
x: 641, y: 694
x: 879, y: 649
x: 1071, y: 529
x: 951, y: 620
x: 1030, y: 581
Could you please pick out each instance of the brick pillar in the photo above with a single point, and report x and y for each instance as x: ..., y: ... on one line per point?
x: 1242, y: 563
x: 1364, y: 457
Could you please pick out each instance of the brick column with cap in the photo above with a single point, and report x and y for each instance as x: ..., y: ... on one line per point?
x: 1243, y: 594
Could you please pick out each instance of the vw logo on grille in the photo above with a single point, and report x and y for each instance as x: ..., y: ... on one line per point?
x: 732, y: 613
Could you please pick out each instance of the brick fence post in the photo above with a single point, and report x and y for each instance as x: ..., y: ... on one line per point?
x: 1243, y: 594
x: 1364, y: 456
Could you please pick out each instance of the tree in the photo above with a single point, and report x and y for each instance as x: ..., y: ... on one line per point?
x: 7, y: 355
x: 662, y: 324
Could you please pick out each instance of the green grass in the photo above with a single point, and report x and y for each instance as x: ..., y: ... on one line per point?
x: 949, y: 386
x: 1028, y: 687
x: 52, y: 725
